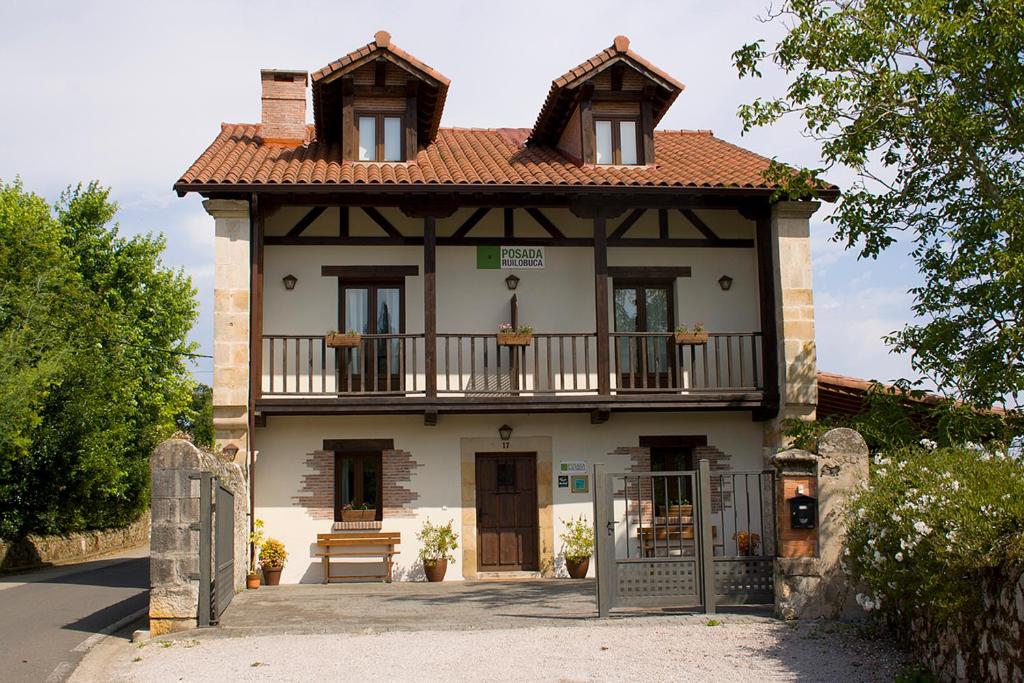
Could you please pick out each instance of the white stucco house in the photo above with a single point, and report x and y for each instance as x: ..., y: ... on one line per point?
x: 418, y: 243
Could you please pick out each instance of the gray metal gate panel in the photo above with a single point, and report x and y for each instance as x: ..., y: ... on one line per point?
x: 223, y: 588
x: 709, y: 559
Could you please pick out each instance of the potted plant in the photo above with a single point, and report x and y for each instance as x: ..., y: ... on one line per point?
x: 252, y: 578
x: 577, y: 546
x: 358, y: 512
x: 698, y: 335
x: 272, y: 557
x: 438, y: 545
x: 747, y: 542
x: 510, y: 336
x: 349, y: 340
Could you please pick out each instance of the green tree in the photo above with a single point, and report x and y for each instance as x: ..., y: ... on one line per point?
x: 924, y: 100
x: 197, y: 421
x: 93, y: 338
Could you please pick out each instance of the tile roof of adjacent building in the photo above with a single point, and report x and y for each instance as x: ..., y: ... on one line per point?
x: 461, y: 156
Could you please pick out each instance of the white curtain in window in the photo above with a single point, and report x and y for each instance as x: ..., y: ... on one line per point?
x: 627, y: 142
x: 392, y: 139
x: 603, y: 131
x: 367, y: 138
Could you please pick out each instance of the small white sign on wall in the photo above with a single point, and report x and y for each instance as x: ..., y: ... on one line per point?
x: 573, y: 467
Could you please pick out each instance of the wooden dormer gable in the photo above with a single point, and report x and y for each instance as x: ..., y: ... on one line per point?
x: 606, y: 109
x: 363, y: 98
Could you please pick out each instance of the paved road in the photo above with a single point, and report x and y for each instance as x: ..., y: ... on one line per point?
x: 48, y: 616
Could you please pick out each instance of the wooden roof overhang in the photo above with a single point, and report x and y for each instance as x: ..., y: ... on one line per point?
x: 486, y: 194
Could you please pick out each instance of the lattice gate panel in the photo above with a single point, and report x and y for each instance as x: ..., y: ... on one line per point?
x: 669, y: 584
x: 744, y: 581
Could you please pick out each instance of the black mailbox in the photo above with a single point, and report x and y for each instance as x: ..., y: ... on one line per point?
x: 803, y: 512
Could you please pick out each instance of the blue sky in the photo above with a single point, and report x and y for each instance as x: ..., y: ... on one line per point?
x: 130, y: 93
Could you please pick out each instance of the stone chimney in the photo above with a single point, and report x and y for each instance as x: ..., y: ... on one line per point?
x: 284, y: 105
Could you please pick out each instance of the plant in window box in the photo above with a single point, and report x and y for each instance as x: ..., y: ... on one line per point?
x: 337, y: 340
x: 510, y: 336
x: 272, y: 557
x: 358, y: 512
x: 252, y: 577
x: 577, y: 546
x: 439, y: 543
x: 679, y: 507
x: 698, y: 335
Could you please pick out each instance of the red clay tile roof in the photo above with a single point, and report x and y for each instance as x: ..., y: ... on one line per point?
x: 562, y: 88
x: 460, y: 156
x: 382, y: 46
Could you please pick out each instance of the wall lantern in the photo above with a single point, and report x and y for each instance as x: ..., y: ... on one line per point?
x: 289, y: 281
x: 511, y: 282
x: 505, y: 432
x: 725, y: 282
x: 231, y: 450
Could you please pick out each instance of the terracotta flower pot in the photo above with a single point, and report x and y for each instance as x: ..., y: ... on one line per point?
x: 272, y: 575
x: 252, y: 581
x: 577, y: 568
x: 435, y: 570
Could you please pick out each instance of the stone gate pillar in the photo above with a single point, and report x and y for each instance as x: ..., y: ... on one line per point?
x: 809, y: 578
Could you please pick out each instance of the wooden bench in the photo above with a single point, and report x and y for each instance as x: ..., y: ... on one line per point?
x: 366, y: 544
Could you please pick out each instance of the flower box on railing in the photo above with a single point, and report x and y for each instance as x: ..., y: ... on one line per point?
x: 691, y: 337
x: 343, y: 341
x: 515, y: 338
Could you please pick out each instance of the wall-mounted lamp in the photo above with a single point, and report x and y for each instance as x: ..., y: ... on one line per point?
x: 505, y: 432
x: 231, y: 450
x: 725, y: 282
x: 289, y: 281
x: 511, y: 282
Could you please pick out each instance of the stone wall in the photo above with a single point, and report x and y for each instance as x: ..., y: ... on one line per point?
x: 39, y: 551
x: 989, y: 649
x: 174, y: 544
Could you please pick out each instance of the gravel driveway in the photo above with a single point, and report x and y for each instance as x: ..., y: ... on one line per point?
x: 682, y: 648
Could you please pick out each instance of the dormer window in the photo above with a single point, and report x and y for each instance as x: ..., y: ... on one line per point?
x: 380, y: 137
x: 617, y: 141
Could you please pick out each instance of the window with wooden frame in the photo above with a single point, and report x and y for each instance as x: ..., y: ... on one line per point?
x: 380, y: 137
x: 358, y: 483
x: 617, y: 140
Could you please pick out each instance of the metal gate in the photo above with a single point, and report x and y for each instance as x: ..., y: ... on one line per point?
x: 216, y: 549
x: 688, y: 539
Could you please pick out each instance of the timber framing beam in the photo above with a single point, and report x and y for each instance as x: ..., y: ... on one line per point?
x: 306, y: 221
x: 627, y: 223
x: 545, y: 223
x: 471, y: 222
x: 383, y: 222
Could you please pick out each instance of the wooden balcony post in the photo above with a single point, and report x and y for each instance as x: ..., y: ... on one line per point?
x: 430, y: 303
x: 601, y: 304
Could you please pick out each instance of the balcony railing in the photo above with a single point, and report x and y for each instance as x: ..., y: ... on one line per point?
x: 476, y: 365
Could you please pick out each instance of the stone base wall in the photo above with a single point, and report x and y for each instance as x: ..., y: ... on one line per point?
x: 989, y: 649
x: 40, y: 551
x: 174, y: 544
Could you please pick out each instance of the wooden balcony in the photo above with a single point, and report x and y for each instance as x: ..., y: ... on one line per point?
x: 387, y: 373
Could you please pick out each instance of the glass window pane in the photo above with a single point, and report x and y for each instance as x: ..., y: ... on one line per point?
x: 392, y: 139
x: 367, y: 138
x: 356, y: 301
x: 627, y: 142
x: 370, y: 467
x: 348, y: 480
x: 657, y: 309
x: 603, y: 133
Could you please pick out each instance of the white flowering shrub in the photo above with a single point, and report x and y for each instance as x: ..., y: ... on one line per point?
x: 932, y: 524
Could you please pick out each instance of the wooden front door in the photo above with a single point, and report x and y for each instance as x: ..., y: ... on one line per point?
x: 506, y: 512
